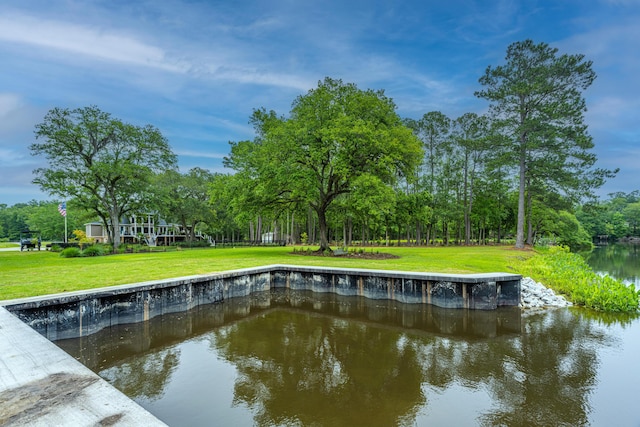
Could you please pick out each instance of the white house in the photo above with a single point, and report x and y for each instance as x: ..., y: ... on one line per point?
x: 143, y: 229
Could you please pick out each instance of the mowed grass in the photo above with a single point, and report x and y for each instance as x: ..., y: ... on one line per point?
x: 9, y: 245
x: 25, y: 274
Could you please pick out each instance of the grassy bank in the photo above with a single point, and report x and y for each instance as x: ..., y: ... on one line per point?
x: 569, y: 274
x: 24, y: 274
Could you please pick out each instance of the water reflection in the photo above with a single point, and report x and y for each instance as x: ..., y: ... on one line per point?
x: 621, y: 261
x: 309, y: 359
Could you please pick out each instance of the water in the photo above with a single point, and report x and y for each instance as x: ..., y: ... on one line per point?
x: 304, y: 359
x: 621, y: 261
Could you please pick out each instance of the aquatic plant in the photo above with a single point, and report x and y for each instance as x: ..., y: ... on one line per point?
x: 569, y: 274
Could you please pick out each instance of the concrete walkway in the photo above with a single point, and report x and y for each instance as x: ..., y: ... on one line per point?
x: 41, y: 385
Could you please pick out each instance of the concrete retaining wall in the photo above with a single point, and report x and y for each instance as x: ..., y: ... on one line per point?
x: 76, y: 314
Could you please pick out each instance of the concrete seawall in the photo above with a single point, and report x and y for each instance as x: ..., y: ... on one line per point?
x: 75, y: 314
x: 42, y: 385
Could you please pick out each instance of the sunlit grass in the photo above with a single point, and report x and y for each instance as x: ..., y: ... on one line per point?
x: 9, y: 245
x: 24, y: 274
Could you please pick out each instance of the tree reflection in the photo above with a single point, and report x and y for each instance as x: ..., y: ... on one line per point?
x: 619, y: 260
x: 145, y: 376
x: 297, y: 367
x: 309, y: 359
x: 545, y: 377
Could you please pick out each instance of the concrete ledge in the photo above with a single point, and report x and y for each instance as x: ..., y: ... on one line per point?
x: 41, y: 385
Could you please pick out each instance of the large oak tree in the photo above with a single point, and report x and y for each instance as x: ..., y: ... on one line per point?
x: 335, y: 135
x: 104, y: 164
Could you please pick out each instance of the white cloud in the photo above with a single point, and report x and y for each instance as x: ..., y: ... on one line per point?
x: 12, y: 158
x: 200, y: 154
x: 254, y: 76
x: 612, y: 45
x: 76, y: 39
x: 116, y: 46
x: 9, y: 102
x: 17, y: 119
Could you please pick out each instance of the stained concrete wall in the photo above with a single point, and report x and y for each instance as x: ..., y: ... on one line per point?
x: 76, y: 314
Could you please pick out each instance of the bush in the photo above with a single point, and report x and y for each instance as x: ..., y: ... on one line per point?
x: 71, y: 252
x: 93, y: 250
x: 55, y: 248
x: 194, y: 244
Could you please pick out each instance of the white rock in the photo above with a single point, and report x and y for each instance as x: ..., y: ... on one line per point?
x: 535, y: 295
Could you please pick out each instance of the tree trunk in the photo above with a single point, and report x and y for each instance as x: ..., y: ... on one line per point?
x: 466, y: 201
x: 521, y: 191
x: 529, y: 218
x: 322, y: 223
x: 259, y: 229
x: 344, y: 232
x: 386, y: 235
x: 114, y: 230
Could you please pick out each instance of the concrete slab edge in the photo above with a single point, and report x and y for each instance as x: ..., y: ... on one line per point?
x: 41, y: 385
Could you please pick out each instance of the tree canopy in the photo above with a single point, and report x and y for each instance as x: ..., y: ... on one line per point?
x: 343, y: 162
x: 184, y: 197
x: 335, y: 134
x: 104, y: 164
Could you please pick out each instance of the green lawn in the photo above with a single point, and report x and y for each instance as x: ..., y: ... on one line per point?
x: 24, y: 274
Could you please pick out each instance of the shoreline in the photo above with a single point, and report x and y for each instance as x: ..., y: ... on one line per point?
x: 535, y: 295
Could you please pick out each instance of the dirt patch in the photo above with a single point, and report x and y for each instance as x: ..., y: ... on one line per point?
x: 25, y: 404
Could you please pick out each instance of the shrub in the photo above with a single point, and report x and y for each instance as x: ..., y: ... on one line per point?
x: 55, y: 248
x: 93, y: 250
x: 193, y: 244
x: 71, y: 252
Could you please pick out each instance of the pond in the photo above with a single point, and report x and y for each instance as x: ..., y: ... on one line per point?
x: 304, y: 359
x: 621, y: 261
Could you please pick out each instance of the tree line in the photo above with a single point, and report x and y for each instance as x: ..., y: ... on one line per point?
x: 344, y: 167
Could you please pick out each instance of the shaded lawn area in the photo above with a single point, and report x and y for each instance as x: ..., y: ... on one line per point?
x: 24, y: 274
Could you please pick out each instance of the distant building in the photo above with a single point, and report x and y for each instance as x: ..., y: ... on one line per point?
x: 143, y: 229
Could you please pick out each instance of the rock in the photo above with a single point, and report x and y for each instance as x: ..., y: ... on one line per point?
x: 535, y: 295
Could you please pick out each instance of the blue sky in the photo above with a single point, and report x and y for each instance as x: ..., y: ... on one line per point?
x: 197, y: 69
